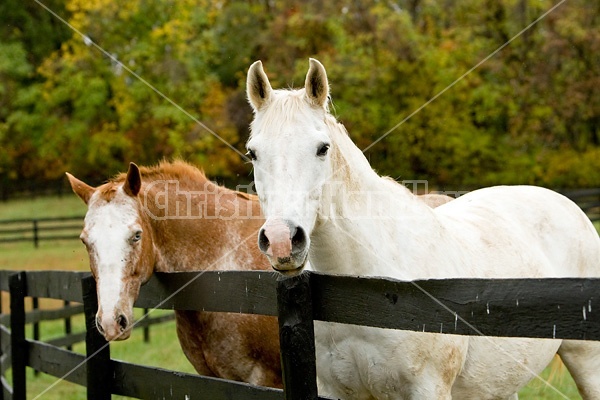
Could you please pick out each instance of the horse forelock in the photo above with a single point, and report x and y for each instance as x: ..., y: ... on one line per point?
x: 285, y: 106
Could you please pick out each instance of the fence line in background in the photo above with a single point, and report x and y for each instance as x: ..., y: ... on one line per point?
x: 37, y: 229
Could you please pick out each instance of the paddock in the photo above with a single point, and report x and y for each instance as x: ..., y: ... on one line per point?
x: 543, y: 308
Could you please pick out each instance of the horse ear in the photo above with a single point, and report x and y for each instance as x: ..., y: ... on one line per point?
x: 258, y: 87
x: 81, y: 189
x: 316, y: 85
x: 133, y: 182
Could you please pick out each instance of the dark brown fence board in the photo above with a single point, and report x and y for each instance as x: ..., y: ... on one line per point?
x: 57, y: 362
x: 4, y: 276
x: 5, y: 338
x: 251, y: 292
x: 67, y: 340
x: 38, y: 315
x: 544, y: 308
x: 133, y: 380
x: 64, y: 285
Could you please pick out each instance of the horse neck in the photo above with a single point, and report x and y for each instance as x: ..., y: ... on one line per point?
x: 189, y: 236
x: 372, y: 216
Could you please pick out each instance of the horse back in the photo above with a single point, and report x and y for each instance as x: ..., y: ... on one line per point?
x: 531, y: 231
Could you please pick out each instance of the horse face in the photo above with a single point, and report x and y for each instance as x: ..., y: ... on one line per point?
x: 289, y: 148
x: 113, y: 234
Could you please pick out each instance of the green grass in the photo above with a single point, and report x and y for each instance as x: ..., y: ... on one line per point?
x: 163, y: 350
x: 41, y: 207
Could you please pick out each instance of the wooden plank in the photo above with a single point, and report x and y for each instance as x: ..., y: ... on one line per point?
x: 67, y: 340
x: 4, y: 278
x: 64, y: 285
x: 4, y: 339
x: 53, y: 314
x: 544, y: 308
x: 155, y: 383
x: 252, y: 292
x: 58, y: 237
x: 577, y: 193
x: 57, y: 362
x: 297, y: 338
x: 47, y: 219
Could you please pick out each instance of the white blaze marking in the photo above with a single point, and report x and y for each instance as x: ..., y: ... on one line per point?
x: 109, y: 226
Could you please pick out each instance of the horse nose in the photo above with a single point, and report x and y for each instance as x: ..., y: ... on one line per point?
x: 99, y: 325
x: 122, y: 322
x: 263, y: 241
x: 282, y: 239
x: 298, y: 240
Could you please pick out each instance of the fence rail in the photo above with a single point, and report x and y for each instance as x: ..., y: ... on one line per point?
x: 38, y: 229
x: 544, y: 308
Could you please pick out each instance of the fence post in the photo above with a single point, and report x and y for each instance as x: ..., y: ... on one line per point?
x: 297, y: 338
x: 35, y: 233
x: 67, y: 303
x: 99, y: 371
x: 18, y: 289
x: 35, y: 305
x: 146, y: 328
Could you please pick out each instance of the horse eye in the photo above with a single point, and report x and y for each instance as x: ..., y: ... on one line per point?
x: 136, y: 236
x: 251, y: 155
x: 323, y: 149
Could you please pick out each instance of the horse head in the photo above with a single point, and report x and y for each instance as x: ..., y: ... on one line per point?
x: 119, y: 242
x: 290, y: 150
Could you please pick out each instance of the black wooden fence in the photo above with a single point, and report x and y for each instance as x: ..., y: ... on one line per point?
x: 544, y: 308
x: 37, y: 229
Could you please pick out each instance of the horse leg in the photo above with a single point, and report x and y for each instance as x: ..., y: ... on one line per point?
x: 582, y: 359
x: 188, y: 333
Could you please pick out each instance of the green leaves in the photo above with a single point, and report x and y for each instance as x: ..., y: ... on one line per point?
x: 530, y: 114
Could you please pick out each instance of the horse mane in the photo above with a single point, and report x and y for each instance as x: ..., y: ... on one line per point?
x: 188, y: 176
x: 169, y: 170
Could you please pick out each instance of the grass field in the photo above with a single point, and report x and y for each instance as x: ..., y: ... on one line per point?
x: 163, y: 349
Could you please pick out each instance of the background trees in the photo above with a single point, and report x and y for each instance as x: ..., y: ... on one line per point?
x: 530, y: 114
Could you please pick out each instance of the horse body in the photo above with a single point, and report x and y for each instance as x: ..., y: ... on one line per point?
x: 176, y: 220
x: 345, y: 219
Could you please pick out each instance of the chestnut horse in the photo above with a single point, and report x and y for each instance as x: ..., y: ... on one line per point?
x: 171, y: 218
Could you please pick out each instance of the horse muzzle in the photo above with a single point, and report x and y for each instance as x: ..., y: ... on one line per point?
x: 115, y: 328
x: 285, y: 244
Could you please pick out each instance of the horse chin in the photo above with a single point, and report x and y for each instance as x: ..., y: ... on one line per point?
x: 289, y: 267
x: 290, y: 273
x: 118, y: 337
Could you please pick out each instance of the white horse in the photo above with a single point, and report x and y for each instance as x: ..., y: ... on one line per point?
x: 325, y: 204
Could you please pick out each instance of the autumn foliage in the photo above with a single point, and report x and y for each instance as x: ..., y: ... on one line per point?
x: 528, y: 114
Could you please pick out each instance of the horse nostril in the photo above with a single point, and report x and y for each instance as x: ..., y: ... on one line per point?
x: 263, y: 241
x: 99, y: 326
x: 298, y: 240
x: 122, y: 321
